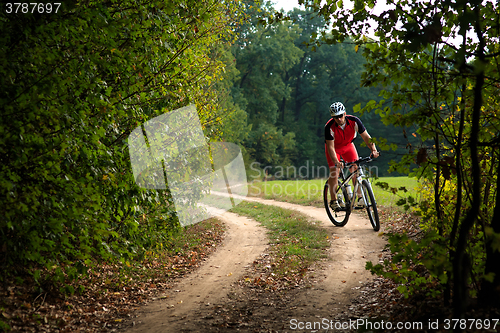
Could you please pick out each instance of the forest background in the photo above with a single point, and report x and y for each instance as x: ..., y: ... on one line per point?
x: 283, y: 78
x: 76, y: 83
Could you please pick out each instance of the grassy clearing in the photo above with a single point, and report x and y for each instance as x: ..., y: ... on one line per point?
x: 302, y: 192
x: 296, y: 243
x: 387, y: 198
x: 310, y: 192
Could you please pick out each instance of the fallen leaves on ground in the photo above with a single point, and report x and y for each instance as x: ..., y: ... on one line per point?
x: 380, y: 299
x: 111, y: 291
x: 276, y: 272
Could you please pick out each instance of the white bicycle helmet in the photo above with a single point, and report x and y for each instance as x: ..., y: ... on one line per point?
x: 336, y: 109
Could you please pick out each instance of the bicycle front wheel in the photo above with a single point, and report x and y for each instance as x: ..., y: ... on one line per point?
x: 371, y: 205
x: 338, y: 217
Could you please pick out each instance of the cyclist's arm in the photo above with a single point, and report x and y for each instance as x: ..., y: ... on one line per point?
x: 366, y: 138
x: 330, y: 148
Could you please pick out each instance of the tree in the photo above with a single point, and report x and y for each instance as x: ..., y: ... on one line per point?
x: 264, y: 54
x: 74, y: 85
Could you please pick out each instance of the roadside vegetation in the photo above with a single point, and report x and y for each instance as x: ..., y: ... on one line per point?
x: 106, y: 298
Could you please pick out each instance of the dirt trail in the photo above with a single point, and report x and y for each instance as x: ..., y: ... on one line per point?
x: 245, y: 240
x: 337, y: 282
x: 342, y: 276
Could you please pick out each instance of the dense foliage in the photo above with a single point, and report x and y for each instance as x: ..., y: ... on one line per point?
x: 74, y: 84
x: 439, y: 64
x: 284, y: 79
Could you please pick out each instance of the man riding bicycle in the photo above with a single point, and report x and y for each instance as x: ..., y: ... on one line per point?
x: 340, y: 131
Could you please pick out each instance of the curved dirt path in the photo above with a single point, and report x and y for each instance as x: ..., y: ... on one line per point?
x: 245, y: 240
x: 340, y: 278
x: 337, y: 280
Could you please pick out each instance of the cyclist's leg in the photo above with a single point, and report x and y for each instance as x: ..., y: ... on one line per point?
x: 333, y: 182
x: 350, y: 154
x: 355, y: 181
x: 333, y: 178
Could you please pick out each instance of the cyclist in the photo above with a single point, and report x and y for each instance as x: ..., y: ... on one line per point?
x: 340, y: 132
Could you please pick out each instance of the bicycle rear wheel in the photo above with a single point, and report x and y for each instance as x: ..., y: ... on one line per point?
x: 371, y: 205
x: 340, y: 217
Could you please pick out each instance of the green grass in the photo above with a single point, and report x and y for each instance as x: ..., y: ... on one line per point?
x: 295, y: 241
x: 387, y: 198
x: 310, y: 192
x: 302, y: 192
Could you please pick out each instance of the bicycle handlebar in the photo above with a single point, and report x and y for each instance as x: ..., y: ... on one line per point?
x: 362, y: 160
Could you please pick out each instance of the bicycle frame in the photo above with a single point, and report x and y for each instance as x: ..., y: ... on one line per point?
x: 340, y: 216
x: 359, y: 179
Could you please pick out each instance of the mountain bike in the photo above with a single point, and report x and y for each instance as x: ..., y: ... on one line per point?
x: 347, y: 199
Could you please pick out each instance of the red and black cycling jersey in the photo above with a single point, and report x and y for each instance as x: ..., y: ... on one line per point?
x: 343, y: 136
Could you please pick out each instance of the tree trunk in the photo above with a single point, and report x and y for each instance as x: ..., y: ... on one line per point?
x: 437, y: 183
x: 437, y: 187
x: 489, y: 294
x: 298, y: 101
x: 459, y: 262
x: 458, y: 164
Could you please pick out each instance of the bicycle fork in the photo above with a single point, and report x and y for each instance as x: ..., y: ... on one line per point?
x: 358, y: 185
